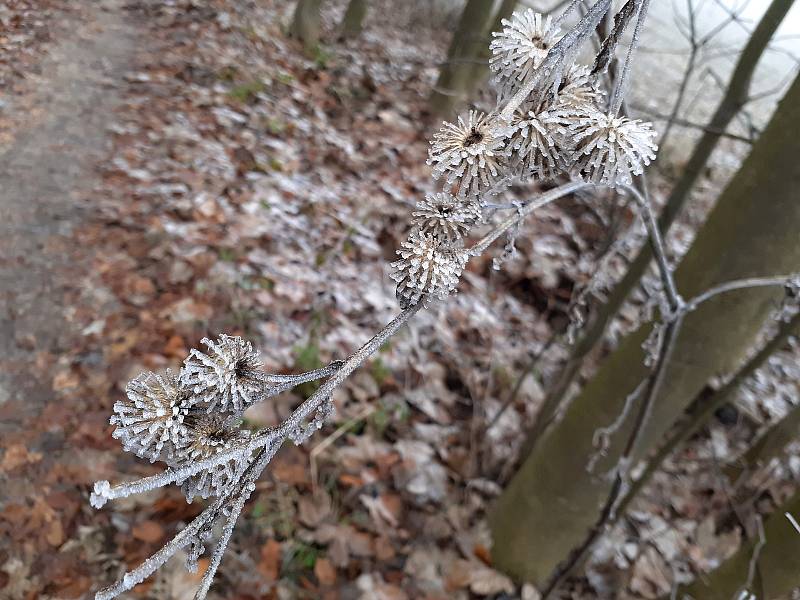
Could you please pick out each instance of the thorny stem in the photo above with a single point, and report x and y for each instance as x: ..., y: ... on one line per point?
x: 619, y: 88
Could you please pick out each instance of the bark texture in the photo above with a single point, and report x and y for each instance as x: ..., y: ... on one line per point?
x: 306, y: 25
x: 774, y: 567
x: 735, y: 97
x: 754, y: 230
x: 353, y: 21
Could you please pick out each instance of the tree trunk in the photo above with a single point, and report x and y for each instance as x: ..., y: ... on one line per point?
x: 552, y: 502
x: 305, y: 25
x: 735, y: 97
x: 769, y: 445
x: 457, y: 74
x: 353, y: 20
x: 777, y: 572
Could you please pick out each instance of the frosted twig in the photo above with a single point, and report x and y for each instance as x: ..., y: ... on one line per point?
x: 149, y: 566
x: 753, y: 563
x: 247, y: 488
x: 601, y: 438
x: 657, y: 243
x: 103, y: 491
x: 619, y: 88
x: 568, y: 188
x: 740, y: 284
x: 793, y: 521
x: 566, y: 12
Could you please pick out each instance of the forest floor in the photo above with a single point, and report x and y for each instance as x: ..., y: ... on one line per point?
x: 173, y: 170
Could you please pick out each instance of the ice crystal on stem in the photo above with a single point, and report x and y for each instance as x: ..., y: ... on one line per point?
x: 427, y: 268
x: 470, y: 153
x: 446, y: 217
x: 230, y: 374
x: 150, y: 420
x: 519, y: 49
x: 610, y: 150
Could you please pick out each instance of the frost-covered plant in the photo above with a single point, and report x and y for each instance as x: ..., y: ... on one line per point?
x: 551, y: 123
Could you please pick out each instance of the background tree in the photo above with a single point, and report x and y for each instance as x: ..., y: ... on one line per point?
x: 553, y: 504
x: 466, y: 64
x: 353, y: 20
x: 766, y: 565
x: 306, y: 26
x: 735, y: 97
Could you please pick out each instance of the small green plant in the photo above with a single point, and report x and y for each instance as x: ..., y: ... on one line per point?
x: 300, y: 557
x: 247, y: 92
x: 320, y: 56
x: 227, y: 254
x: 380, y: 372
x: 284, y: 78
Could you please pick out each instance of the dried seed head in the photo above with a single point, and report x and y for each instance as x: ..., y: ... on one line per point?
x: 536, y: 144
x: 519, y: 49
x: 446, y: 217
x: 229, y: 375
x: 610, y: 149
x: 470, y: 153
x: 150, y: 421
x: 578, y: 88
x: 428, y: 268
x: 208, y: 435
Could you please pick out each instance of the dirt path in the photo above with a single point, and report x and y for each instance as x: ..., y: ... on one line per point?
x: 52, y: 135
x: 57, y: 132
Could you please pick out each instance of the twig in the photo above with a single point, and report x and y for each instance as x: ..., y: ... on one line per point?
x: 793, y: 521
x: 652, y: 389
x: 753, y: 564
x: 546, y: 198
x: 619, y: 87
x: 340, y: 431
x: 683, y: 432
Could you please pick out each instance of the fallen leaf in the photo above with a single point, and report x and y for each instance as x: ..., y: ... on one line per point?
x: 326, y: 574
x: 270, y: 562
x: 148, y: 531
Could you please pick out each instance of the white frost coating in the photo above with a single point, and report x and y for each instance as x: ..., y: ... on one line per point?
x: 101, y: 495
x: 149, y: 566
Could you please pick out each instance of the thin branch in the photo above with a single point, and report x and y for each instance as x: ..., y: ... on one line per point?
x: 652, y: 388
x: 619, y: 87
x: 563, y: 190
x: 739, y: 284
x: 793, y: 521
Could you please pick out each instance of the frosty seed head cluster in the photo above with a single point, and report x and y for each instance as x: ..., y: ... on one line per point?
x: 566, y: 127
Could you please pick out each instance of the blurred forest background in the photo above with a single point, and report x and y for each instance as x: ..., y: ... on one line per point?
x: 182, y: 168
